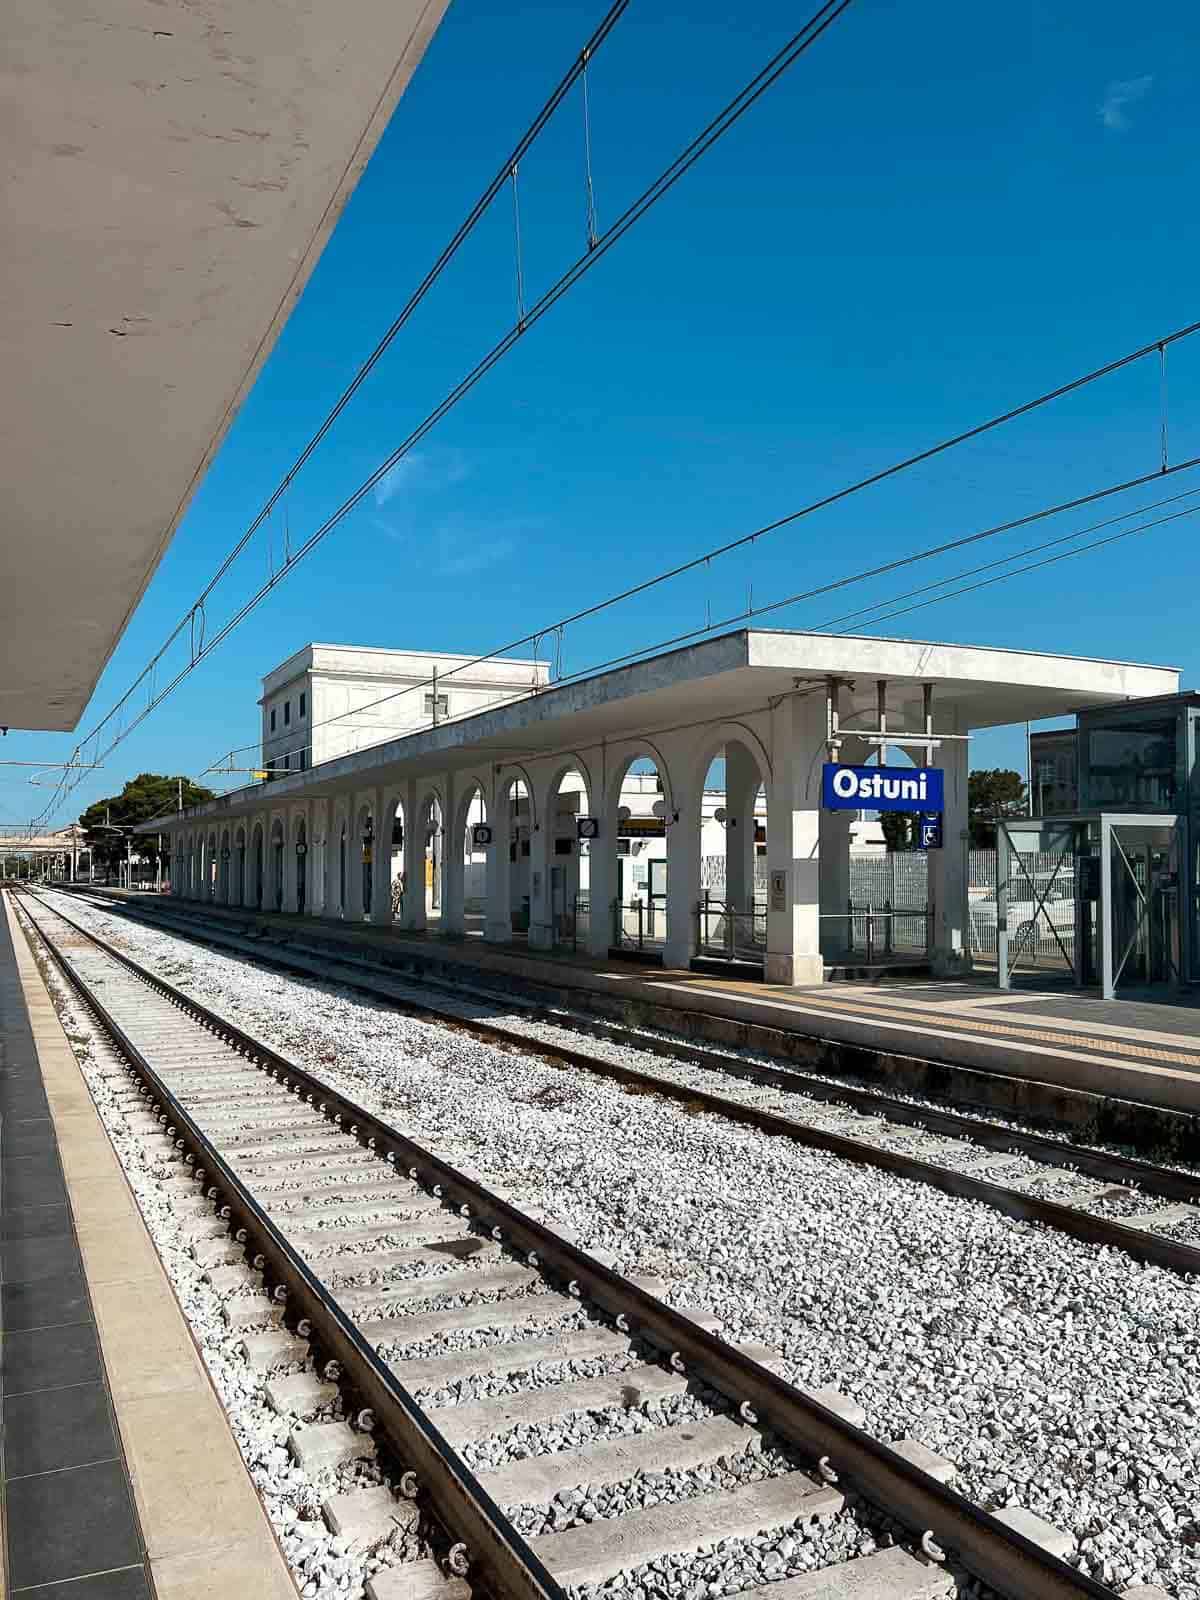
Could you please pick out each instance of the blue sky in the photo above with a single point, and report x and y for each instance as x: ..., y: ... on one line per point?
x: 939, y: 212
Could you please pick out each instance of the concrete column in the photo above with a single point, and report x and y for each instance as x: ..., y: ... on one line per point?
x: 683, y: 877
x: 602, y: 864
x: 742, y: 779
x: 497, y: 911
x: 453, y: 846
x: 835, y: 863
x: 950, y: 952
x: 835, y: 881
x: 318, y: 827
x: 414, y: 863
x: 289, y: 865
x: 381, y: 864
x: 793, y: 841
x: 542, y: 822
x: 333, y: 837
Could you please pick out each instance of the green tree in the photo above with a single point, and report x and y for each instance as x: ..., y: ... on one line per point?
x: 143, y: 798
x: 897, y: 829
x: 993, y: 792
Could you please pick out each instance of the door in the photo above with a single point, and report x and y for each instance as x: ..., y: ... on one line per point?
x: 658, y: 897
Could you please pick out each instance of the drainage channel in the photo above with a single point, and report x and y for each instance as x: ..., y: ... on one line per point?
x: 356, y: 1229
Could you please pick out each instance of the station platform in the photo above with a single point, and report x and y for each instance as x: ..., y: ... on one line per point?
x: 903, y: 1028
x: 120, y: 1477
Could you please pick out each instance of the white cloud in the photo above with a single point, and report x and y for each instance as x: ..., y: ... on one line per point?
x: 402, y: 475
x: 465, y: 559
x: 1117, y: 96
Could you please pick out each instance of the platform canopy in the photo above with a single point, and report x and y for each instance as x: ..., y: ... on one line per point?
x: 171, y: 175
x: 736, y: 676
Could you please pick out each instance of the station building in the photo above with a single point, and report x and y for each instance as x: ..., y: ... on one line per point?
x: 514, y: 796
x: 330, y: 699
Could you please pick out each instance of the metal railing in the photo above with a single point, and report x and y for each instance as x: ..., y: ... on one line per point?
x: 884, y: 931
x: 639, y: 925
x: 730, y: 933
x: 572, y: 926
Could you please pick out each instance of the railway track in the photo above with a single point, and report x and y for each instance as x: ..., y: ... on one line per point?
x: 1150, y: 1212
x: 364, y: 1247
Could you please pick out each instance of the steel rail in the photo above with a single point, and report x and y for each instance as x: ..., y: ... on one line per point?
x: 1173, y: 1255
x: 1009, y: 1562
x: 499, y: 1555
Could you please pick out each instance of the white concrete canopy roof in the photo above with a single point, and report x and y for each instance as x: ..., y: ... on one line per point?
x: 171, y: 176
x: 721, y: 680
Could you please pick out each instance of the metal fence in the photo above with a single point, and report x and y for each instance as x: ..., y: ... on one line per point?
x: 731, y: 933
x: 639, y: 925
x: 1041, y: 910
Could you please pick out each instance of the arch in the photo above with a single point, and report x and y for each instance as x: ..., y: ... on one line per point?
x: 391, y: 830
x: 300, y: 855
x: 633, y: 880
x: 430, y: 823
x: 717, y: 739
x: 467, y: 865
x: 211, y: 865
x: 363, y: 842
x: 257, y: 868
x: 275, y: 865
x: 224, y: 868
x: 239, y: 866
x: 723, y: 856
x: 567, y: 795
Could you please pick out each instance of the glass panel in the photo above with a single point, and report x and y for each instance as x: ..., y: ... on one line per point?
x: 1145, y: 906
x: 1130, y: 768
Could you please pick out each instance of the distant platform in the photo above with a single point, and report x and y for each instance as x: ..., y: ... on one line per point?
x: 1146, y: 1051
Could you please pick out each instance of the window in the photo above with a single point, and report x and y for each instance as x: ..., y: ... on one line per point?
x: 303, y: 760
x: 303, y: 701
x: 287, y: 713
x: 443, y: 705
x: 1132, y: 766
x: 287, y: 763
x: 272, y: 719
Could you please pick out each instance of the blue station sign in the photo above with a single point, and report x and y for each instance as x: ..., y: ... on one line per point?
x: 881, y: 788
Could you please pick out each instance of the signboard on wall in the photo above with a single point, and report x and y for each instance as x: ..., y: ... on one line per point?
x: 845, y: 788
x: 930, y: 834
x: 779, y: 890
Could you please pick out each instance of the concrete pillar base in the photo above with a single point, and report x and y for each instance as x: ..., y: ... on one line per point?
x: 790, y: 970
x: 950, y: 963
x: 496, y: 931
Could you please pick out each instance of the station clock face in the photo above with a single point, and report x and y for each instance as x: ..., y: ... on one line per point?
x: 588, y: 827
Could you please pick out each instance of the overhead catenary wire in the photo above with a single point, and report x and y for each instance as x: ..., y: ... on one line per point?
x: 751, y: 611
x: 1017, y: 572
x: 934, y: 599
x: 719, y: 125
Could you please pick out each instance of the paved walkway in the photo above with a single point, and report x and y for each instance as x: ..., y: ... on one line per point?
x: 121, y: 1478
x: 69, y: 1511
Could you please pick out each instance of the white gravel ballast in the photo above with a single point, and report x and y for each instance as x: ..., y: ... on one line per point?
x: 1058, y: 1376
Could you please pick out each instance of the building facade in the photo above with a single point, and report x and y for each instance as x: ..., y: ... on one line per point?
x: 330, y: 700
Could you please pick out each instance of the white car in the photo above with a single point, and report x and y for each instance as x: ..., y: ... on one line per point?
x: 1056, y: 915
